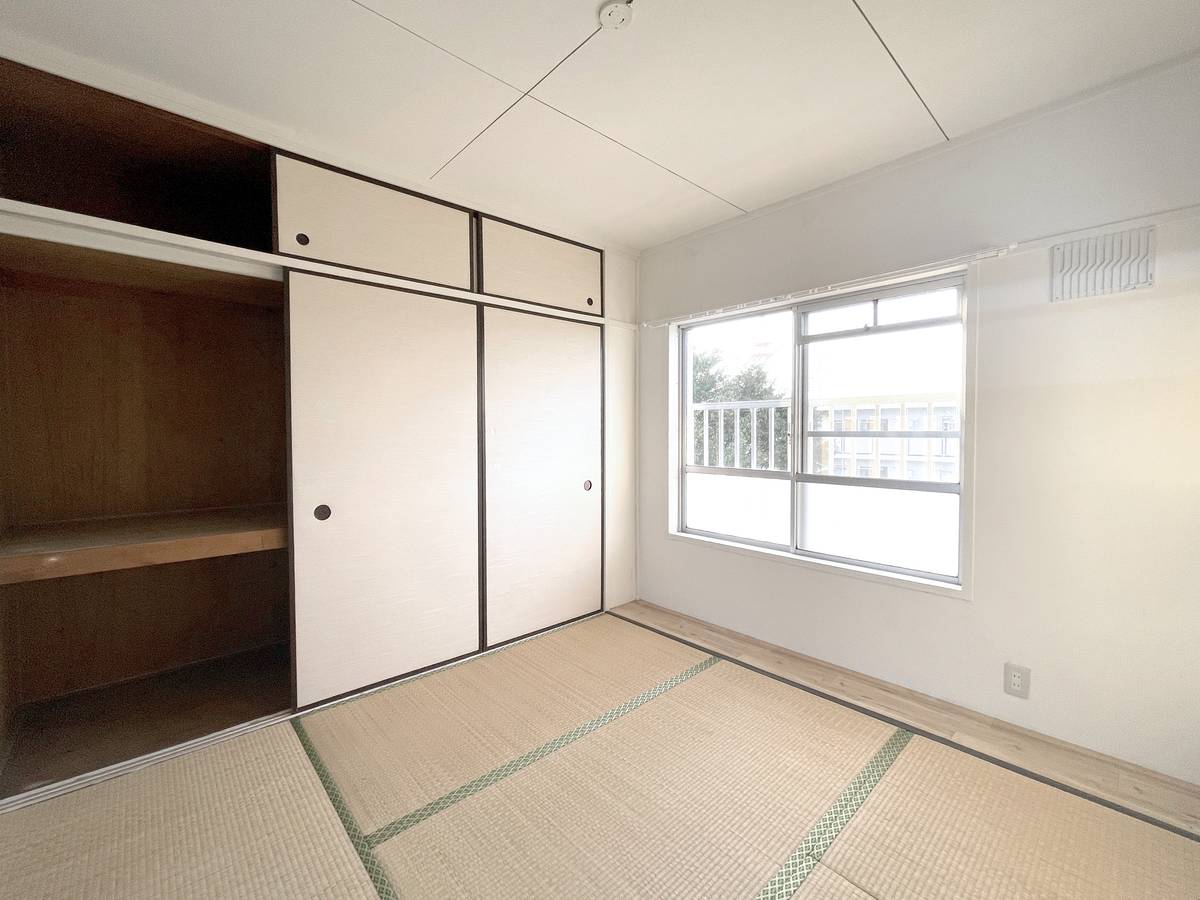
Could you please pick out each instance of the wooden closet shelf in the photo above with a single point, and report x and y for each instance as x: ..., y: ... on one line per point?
x: 102, y: 545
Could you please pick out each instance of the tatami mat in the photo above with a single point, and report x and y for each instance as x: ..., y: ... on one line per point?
x: 243, y: 818
x: 826, y: 884
x: 702, y: 792
x: 943, y: 824
x: 393, y: 751
x: 599, y: 760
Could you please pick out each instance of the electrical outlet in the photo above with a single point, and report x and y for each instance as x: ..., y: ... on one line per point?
x: 1016, y: 680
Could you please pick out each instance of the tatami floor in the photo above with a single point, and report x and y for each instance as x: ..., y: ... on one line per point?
x: 597, y: 760
x: 1145, y: 792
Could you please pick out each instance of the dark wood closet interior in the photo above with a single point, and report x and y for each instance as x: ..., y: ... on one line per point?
x: 76, y: 148
x: 144, y: 570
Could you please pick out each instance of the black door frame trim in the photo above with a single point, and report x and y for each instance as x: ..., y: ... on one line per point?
x: 897, y: 723
x: 481, y: 478
x: 564, y: 316
x: 291, y: 534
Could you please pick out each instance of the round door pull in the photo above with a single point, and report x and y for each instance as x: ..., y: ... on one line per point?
x: 302, y: 239
x: 322, y: 512
x: 587, y: 485
x: 590, y: 301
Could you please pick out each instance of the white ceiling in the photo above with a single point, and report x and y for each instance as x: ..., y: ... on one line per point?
x: 756, y: 101
x: 517, y: 41
x: 328, y: 71
x: 696, y: 111
x: 535, y: 158
x: 977, y: 62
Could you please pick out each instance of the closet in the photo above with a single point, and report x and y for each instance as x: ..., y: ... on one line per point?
x: 228, y: 496
x: 142, y: 562
x: 144, y: 570
x: 396, y: 398
x: 69, y: 146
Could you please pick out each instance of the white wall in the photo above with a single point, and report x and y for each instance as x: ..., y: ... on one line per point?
x: 1132, y: 150
x: 620, y: 429
x: 1087, y: 486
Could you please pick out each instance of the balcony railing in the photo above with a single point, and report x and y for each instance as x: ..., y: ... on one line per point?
x: 751, y: 422
x: 756, y: 434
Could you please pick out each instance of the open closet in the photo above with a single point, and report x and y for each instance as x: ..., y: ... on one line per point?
x: 272, y: 432
x: 144, y: 569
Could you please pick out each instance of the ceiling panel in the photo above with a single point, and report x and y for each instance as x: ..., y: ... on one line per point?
x: 332, y: 73
x: 756, y: 101
x: 558, y: 175
x: 518, y: 41
x: 979, y: 61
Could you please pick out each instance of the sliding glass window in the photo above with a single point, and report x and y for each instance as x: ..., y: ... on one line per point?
x: 831, y: 429
x: 738, y: 428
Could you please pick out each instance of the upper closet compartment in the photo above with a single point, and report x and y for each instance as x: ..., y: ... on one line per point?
x: 522, y: 264
x: 73, y: 147
x: 325, y: 214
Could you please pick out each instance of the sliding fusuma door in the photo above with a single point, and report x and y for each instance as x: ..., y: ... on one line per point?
x: 542, y: 385
x: 385, y: 502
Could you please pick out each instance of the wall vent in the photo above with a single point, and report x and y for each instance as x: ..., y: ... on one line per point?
x: 1104, y: 264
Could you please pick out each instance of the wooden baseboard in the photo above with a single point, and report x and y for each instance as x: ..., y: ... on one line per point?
x: 1143, y: 791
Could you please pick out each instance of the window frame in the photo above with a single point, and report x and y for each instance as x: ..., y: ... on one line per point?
x: 799, y: 432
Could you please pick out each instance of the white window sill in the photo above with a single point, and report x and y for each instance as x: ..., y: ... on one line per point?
x: 862, y: 573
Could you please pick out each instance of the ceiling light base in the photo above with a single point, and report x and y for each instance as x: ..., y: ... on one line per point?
x: 614, y: 16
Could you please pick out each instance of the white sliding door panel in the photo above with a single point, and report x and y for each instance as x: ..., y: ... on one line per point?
x: 322, y: 214
x: 527, y: 265
x: 384, y: 420
x: 542, y: 390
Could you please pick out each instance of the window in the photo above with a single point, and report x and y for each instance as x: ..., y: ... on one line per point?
x: 738, y: 397
x: 832, y: 430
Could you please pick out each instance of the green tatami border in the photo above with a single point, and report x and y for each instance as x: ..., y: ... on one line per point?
x: 515, y: 765
x: 365, y: 844
x: 378, y: 877
x: 800, y: 864
x: 1193, y: 836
